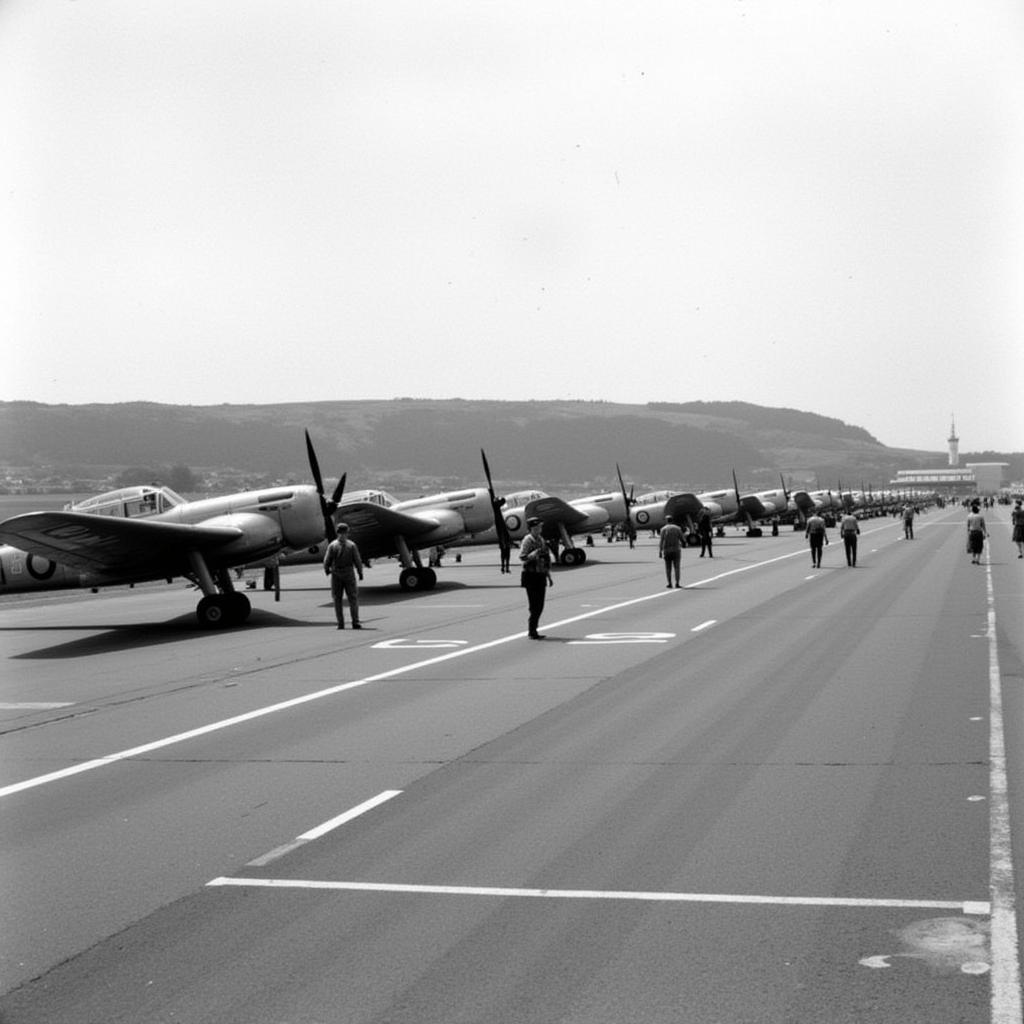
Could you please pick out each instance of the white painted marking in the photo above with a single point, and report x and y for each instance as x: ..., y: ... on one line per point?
x: 354, y: 812
x: 625, y: 638
x: 597, y: 894
x: 704, y: 625
x: 36, y: 705
x: 402, y: 644
x: 975, y: 799
x: 1006, y: 995
x: 810, y: 577
x: 321, y: 830
x: 330, y: 691
x: 875, y: 961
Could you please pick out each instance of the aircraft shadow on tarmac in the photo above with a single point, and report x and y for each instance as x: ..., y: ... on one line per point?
x: 148, y: 634
x: 138, y: 636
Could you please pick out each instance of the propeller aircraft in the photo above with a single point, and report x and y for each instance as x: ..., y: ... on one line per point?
x: 138, y: 534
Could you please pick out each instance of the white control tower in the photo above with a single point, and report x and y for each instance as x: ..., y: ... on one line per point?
x: 954, y: 443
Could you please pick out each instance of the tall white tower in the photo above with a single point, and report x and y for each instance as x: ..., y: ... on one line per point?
x: 954, y: 443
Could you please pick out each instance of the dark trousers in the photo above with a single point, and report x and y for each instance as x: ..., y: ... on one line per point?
x: 673, y: 563
x: 342, y: 587
x: 817, y: 542
x: 850, y: 543
x: 705, y: 544
x: 536, y: 585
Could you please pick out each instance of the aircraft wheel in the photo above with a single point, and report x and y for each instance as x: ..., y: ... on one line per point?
x: 238, y: 608
x: 212, y: 612
x: 428, y: 579
x: 581, y: 556
x: 414, y: 579
x: 755, y: 531
x: 568, y: 557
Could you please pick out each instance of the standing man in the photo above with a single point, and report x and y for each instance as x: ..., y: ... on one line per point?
x: 908, y: 521
x: 815, y: 533
x: 343, y: 564
x: 670, y: 547
x: 704, y: 532
x: 848, y: 530
x: 536, y: 578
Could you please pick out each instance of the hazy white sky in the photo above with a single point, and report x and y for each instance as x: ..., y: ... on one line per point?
x: 817, y: 205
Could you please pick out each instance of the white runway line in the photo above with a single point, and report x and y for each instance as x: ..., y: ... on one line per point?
x: 322, y: 830
x: 1006, y: 995
x: 36, y: 705
x: 977, y: 907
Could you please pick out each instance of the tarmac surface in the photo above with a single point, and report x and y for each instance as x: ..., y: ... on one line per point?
x: 778, y: 794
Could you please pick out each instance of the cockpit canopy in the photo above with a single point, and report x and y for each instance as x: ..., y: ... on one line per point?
x: 129, y: 502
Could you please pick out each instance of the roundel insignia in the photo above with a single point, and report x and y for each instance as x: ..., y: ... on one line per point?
x: 513, y: 522
x: 642, y: 517
x: 49, y: 568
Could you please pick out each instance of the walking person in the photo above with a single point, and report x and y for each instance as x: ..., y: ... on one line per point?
x: 670, y: 548
x: 704, y: 532
x: 1017, y: 521
x: 818, y: 538
x: 536, y: 577
x: 977, y: 531
x: 908, y: 522
x: 343, y: 564
x: 849, y: 528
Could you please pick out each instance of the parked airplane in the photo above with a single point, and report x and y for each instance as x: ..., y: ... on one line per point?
x: 137, y: 534
x: 565, y: 519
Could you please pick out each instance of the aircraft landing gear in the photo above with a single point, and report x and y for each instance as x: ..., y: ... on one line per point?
x: 573, y: 556
x: 417, y: 578
x: 216, y: 611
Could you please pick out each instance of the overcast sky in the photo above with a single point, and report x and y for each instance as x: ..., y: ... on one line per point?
x: 817, y: 205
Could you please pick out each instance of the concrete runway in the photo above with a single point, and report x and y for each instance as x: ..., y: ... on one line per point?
x: 777, y: 795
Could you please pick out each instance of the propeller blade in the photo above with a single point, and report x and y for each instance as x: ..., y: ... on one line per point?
x: 630, y: 529
x: 314, y: 465
x: 339, y: 490
x: 326, y: 509
x: 504, y: 540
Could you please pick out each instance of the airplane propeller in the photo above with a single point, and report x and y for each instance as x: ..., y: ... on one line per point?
x: 740, y: 510
x: 504, y: 540
x: 327, y: 508
x: 627, y: 500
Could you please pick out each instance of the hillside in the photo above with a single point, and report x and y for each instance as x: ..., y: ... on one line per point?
x: 410, y: 445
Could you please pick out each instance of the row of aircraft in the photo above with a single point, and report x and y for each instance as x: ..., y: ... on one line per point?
x: 146, y: 533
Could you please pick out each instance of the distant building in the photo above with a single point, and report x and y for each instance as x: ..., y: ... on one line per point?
x: 972, y: 478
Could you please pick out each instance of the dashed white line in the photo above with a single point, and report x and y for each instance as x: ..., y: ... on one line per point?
x: 36, y: 705
x: 322, y: 830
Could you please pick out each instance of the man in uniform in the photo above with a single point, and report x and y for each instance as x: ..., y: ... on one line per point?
x: 670, y: 547
x: 343, y: 564
x: 536, y: 578
x: 848, y: 530
x: 815, y: 533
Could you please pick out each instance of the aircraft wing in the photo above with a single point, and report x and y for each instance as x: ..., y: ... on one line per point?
x: 684, y: 507
x: 553, y: 511
x: 374, y: 527
x: 110, y: 545
x: 369, y: 519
